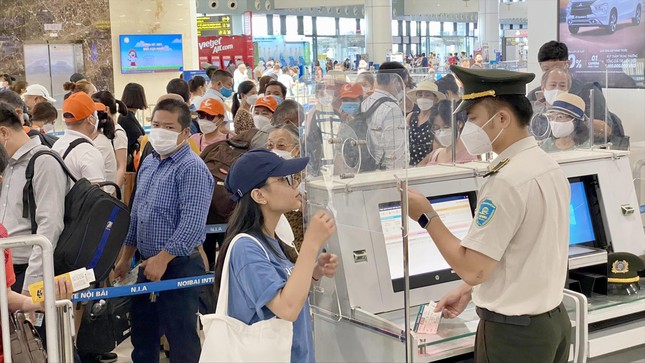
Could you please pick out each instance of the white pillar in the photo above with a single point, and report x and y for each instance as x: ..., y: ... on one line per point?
x: 488, y: 25
x: 378, y: 37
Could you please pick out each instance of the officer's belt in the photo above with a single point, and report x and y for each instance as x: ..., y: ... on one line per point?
x: 520, y: 320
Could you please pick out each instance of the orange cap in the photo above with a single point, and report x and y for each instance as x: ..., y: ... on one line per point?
x: 100, y: 107
x: 350, y: 90
x: 267, y: 101
x: 78, y: 106
x: 212, y: 107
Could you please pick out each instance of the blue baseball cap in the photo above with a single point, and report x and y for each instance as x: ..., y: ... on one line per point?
x: 253, y: 168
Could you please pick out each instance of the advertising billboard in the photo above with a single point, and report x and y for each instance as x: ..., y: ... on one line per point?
x: 605, y: 40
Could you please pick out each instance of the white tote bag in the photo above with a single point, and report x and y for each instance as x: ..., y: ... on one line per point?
x: 230, y: 340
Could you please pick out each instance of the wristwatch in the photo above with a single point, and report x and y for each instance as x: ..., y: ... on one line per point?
x: 425, y: 218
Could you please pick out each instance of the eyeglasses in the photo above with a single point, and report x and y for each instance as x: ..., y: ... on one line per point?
x: 557, y: 117
x: 288, y: 179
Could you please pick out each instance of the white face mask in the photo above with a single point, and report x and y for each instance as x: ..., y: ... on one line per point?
x: 260, y: 121
x: 283, y: 154
x: 163, y: 141
x: 551, y: 94
x: 561, y: 129
x: 96, y: 122
x: 49, y: 128
x: 425, y: 103
x: 444, y: 136
x: 207, y: 126
x: 252, y: 99
x: 326, y: 100
x: 475, y: 138
x: 284, y: 232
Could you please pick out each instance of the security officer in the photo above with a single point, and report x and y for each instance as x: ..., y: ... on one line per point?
x: 514, y: 258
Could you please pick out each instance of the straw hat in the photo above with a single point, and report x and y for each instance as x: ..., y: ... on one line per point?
x: 426, y: 85
x: 569, y: 104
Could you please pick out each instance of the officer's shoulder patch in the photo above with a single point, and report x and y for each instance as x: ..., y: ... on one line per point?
x: 485, y: 212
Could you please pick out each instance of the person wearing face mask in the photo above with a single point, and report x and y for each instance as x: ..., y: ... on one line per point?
x: 351, y: 96
x: 443, y: 136
x: 386, y: 129
x: 263, y: 111
x: 520, y: 229
x: 419, y: 120
x: 567, y: 123
x: 246, y: 96
x: 276, y: 89
x: 284, y: 141
x: 76, y: 146
x: 168, y: 220
x: 221, y: 86
x: 212, y: 121
x: 554, y: 82
x: 367, y: 83
x: 43, y: 116
x: 50, y: 187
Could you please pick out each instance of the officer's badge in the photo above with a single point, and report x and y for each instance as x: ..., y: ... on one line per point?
x: 485, y: 212
x: 620, y: 267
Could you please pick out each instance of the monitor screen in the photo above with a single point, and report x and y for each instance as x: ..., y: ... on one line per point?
x: 580, y: 225
x: 149, y: 53
x: 427, y: 266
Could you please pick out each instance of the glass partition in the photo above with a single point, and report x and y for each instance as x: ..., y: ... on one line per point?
x: 356, y: 137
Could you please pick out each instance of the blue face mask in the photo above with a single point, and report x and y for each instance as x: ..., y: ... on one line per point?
x: 350, y: 108
x: 277, y: 98
x: 226, y: 92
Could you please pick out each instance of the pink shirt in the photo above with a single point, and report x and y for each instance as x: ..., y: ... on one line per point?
x: 202, y: 143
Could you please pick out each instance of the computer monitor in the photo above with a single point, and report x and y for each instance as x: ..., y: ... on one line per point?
x: 426, y: 265
x: 586, y: 226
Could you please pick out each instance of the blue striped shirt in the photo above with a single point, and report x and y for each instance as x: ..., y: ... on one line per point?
x: 170, y: 204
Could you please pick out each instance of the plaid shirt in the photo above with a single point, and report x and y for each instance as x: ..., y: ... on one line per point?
x: 170, y: 204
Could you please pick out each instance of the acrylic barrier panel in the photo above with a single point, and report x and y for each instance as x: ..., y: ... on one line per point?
x: 435, y: 129
x: 355, y: 134
x: 582, y: 119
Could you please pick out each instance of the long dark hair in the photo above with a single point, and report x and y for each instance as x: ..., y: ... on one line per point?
x: 244, y: 88
x: 107, y: 98
x: 246, y: 218
x: 581, y: 130
x: 106, y: 125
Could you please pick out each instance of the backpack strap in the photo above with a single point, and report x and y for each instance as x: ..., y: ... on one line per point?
x: 73, y: 144
x: 377, y: 104
x: 28, y: 198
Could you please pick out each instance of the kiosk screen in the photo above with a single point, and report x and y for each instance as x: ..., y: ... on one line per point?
x: 427, y: 266
x: 580, y: 224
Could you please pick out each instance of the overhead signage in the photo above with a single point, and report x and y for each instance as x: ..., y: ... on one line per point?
x: 214, y: 25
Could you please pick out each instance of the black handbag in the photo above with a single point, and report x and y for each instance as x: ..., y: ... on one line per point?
x: 104, y: 325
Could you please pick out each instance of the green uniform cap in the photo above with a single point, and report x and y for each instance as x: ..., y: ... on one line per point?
x: 623, y: 268
x: 480, y: 83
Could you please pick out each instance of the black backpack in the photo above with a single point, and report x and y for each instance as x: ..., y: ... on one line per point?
x: 96, y: 223
x: 45, y: 139
x: 357, y: 151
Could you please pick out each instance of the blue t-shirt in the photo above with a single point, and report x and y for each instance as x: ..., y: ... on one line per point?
x: 254, y: 281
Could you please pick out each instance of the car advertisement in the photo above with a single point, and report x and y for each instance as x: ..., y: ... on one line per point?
x: 605, y: 39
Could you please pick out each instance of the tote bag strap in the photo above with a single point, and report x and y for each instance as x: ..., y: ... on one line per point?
x: 222, y: 299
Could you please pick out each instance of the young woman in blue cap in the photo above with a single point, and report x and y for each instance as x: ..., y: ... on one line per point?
x: 259, y: 287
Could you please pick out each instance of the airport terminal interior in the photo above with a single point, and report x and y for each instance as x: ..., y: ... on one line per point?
x: 473, y: 167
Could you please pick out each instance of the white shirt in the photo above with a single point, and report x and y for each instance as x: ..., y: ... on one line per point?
x: 386, y: 131
x: 104, y: 145
x: 50, y: 187
x: 287, y: 81
x: 85, y: 160
x: 212, y: 93
x: 120, y: 138
x: 239, y: 77
x: 522, y: 221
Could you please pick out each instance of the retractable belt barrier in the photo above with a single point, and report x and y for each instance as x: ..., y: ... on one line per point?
x: 150, y: 287
x: 143, y: 288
